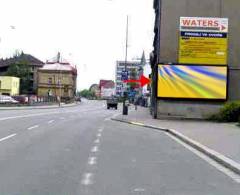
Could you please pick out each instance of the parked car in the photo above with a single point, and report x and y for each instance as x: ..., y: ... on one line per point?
x: 22, y: 99
x: 78, y: 99
x: 4, y: 99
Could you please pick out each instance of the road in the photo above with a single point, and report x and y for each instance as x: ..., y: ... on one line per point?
x: 80, y: 151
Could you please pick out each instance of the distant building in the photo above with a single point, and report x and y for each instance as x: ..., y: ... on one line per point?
x: 57, y: 79
x: 30, y: 60
x: 133, y: 68
x: 9, y: 85
x: 95, y: 88
x: 107, y: 88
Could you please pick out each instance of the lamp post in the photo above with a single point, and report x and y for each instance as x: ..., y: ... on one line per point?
x: 125, y: 108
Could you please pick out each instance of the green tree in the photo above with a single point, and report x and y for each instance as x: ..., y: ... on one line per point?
x: 87, y: 94
x: 21, y: 70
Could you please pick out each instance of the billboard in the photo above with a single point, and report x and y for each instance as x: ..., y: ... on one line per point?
x: 203, y: 40
x: 192, y: 82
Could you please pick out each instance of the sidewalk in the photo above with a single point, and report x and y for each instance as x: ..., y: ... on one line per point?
x: 223, y: 138
x: 63, y: 105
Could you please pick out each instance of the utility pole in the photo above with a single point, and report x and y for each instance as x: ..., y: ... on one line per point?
x: 125, y: 108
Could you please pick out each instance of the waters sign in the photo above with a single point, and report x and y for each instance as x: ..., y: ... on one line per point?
x: 203, y: 40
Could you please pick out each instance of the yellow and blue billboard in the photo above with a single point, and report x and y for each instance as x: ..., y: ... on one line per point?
x: 203, y: 41
x: 192, y: 82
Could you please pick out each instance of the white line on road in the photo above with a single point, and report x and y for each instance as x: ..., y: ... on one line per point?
x: 92, y: 160
x: 94, y: 149
x: 33, y: 127
x: 87, y: 179
x: 100, y: 130
x: 8, y: 137
x: 99, y: 135
x: 51, y: 121
x: 221, y: 168
x: 62, y: 118
x: 97, y: 141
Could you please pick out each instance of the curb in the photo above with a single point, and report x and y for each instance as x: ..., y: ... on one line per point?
x: 220, y: 158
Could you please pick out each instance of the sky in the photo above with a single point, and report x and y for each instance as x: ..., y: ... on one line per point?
x: 88, y: 33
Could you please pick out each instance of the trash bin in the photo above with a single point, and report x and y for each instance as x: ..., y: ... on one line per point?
x: 125, y: 110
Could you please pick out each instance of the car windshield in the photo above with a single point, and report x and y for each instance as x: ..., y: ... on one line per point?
x: 119, y: 97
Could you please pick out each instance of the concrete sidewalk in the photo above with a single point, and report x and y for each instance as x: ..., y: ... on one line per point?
x: 38, y: 107
x: 224, y: 138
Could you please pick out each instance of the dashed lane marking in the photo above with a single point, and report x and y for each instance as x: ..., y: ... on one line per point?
x: 51, y: 121
x: 97, y: 141
x: 8, y: 137
x: 94, y: 149
x: 92, y: 160
x: 33, y: 127
x: 87, y: 179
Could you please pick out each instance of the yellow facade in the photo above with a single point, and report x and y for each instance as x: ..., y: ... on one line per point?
x: 55, y: 83
x: 9, y: 85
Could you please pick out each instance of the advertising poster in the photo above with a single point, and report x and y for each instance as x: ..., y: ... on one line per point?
x: 203, y: 41
x: 192, y: 82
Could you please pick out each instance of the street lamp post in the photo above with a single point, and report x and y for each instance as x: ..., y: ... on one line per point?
x: 125, y: 108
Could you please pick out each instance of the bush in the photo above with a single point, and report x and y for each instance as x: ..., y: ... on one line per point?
x: 229, y: 113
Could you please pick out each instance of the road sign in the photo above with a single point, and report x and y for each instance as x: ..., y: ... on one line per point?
x: 203, y: 40
x: 124, y: 75
x: 203, y: 24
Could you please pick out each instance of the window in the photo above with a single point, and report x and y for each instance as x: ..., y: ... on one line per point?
x: 50, y: 80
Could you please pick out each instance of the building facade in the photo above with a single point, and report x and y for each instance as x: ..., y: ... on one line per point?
x: 57, y: 79
x: 9, y: 85
x: 166, y: 45
x: 107, y: 88
x: 33, y: 63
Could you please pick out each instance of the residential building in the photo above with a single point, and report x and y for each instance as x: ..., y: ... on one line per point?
x: 166, y: 44
x: 9, y: 85
x: 23, y: 58
x: 57, y: 79
x: 107, y: 88
x: 133, y: 68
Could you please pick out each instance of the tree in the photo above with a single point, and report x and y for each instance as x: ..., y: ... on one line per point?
x: 21, y: 70
x: 87, y: 94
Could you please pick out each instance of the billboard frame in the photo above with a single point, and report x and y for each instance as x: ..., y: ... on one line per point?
x: 194, y: 99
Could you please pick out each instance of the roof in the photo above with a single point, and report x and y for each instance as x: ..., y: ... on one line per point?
x: 106, y: 84
x: 58, y: 66
x: 31, y: 60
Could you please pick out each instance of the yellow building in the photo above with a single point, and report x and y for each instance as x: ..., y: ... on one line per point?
x: 9, y: 85
x: 57, y: 79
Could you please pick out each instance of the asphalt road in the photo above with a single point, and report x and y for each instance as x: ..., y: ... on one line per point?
x: 80, y: 151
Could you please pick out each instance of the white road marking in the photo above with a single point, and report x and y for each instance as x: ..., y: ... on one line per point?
x: 97, y: 141
x: 139, y: 190
x: 62, y: 118
x: 46, y: 113
x: 33, y: 127
x: 51, y: 121
x: 8, y: 137
x: 99, y: 135
x: 218, y: 166
x: 87, y: 179
x: 100, y: 130
x: 94, y: 149
x: 92, y: 160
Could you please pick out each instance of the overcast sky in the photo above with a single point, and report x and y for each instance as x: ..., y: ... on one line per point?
x: 89, y: 33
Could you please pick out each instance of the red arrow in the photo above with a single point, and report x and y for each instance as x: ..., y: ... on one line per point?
x: 223, y: 27
x: 143, y: 81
